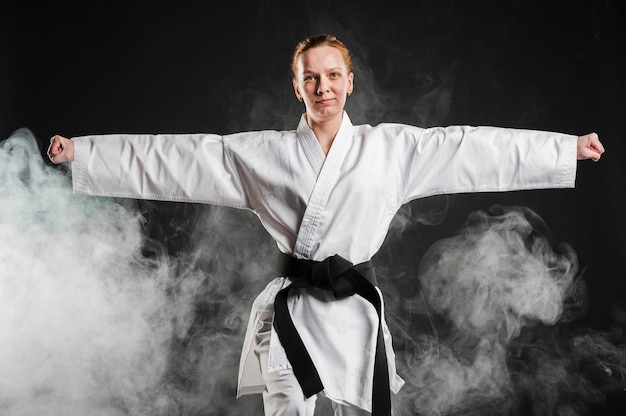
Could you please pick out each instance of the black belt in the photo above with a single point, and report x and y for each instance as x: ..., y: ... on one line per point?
x: 343, y: 279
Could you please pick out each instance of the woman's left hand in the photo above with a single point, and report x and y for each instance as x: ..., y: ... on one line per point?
x: 589, y: 147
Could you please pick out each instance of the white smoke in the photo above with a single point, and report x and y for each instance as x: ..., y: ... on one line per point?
x: 85, y: 322
x: 494, y: 304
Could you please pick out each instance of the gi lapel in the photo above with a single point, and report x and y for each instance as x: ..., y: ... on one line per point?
x: 328, y: 173
x: 311, y: 147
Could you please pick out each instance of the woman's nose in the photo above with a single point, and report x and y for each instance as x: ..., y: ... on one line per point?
x: 321, y: 87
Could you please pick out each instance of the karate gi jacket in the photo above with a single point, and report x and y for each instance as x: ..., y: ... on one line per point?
x: 315, y: 206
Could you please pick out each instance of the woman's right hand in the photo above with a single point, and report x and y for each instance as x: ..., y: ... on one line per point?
x: 61, y: 149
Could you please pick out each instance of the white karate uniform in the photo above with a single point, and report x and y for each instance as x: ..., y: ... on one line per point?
x: 315, y: 206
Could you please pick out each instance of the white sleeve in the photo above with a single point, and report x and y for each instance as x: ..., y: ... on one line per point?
x: 461, y: 159
x: 181, y: 167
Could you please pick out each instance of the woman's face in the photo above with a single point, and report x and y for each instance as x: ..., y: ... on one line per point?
x: 322, y: 82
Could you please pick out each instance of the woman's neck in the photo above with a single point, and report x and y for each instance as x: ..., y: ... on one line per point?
x: 325, y: 131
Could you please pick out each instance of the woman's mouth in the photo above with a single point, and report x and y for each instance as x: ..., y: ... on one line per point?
x: 325, y: 101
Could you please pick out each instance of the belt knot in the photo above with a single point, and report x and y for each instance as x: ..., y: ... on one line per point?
x: 330, y: 273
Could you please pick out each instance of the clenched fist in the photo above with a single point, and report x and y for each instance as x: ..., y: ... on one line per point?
x: 61, y: 149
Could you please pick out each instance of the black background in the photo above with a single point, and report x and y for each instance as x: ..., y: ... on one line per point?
x: 192, y: 66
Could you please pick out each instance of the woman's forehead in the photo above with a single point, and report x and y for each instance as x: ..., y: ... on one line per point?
x: 321, y: 58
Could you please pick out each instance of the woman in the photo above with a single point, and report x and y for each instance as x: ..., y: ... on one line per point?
x: 326, y: 192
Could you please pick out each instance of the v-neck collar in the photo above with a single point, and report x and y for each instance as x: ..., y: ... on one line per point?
x: 328, y: 171
x: 312, y: 148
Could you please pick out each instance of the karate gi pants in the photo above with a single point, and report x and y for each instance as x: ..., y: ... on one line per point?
x: 283, y: 395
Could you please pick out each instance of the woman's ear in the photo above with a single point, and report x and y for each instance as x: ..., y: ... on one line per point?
x: 296, y: 90
x: 350, y: 83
